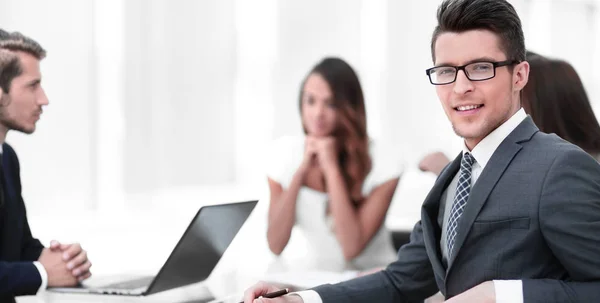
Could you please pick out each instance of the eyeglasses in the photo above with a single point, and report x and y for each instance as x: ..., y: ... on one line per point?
x: 476, y: 71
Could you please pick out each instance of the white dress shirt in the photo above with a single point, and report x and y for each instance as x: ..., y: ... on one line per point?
x: 43, y: 274
x: 38, y: 265
x: 506, y: 290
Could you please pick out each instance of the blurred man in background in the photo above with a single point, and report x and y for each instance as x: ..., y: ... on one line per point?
x: 26, y: 266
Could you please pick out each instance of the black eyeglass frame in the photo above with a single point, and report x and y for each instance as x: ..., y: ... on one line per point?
x: 462, y: 67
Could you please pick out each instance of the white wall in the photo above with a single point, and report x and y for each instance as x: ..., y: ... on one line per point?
x: 153, y: 96
x: 566, y: 29
x: 180, y: 65
x: 57, y: 162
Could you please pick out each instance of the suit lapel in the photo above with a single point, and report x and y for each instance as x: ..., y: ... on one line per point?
x: 6, y: 232
x: 7, y: 184
x: 490, y: 175
x: 429, y: 215
x: 3, y: 177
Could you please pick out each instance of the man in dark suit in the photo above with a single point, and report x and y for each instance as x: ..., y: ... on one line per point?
x: 25, y: 265
x: 516, y: 216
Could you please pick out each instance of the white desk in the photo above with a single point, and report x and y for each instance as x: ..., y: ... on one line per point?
x: 226, y: 287
x: 184, y: 294
x: 137, y: 239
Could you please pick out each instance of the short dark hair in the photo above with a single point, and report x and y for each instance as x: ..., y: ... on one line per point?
x: 4, y: 34
x: 9, y: 43
x: 9, y: 69
x: 497, y: 16
x: 557, y: 102
x: 16, y: 41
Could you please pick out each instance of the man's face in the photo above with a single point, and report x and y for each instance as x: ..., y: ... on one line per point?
x: 476, y: 108
x: 22, y: 106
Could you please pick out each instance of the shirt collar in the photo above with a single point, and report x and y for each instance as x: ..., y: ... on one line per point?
x: 486, y: 148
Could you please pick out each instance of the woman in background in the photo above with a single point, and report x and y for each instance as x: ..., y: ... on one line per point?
x: 556, y: 100
x: 334, y: 184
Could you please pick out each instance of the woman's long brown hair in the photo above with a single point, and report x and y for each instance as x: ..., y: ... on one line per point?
x: 558, y: 103
x: 351, y: 129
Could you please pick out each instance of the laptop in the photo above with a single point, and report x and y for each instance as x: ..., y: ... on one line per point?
x: 193, y: 258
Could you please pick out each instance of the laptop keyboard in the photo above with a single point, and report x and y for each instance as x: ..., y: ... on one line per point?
x: 131, y: 284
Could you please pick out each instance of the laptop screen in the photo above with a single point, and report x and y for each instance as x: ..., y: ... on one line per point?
x: 202, y: 245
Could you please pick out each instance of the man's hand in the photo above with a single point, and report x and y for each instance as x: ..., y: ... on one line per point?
x: 75, y: 258
x: 252, y: 294
x: 482, y: 293
x: 434, y: 163
x: 56, y: 268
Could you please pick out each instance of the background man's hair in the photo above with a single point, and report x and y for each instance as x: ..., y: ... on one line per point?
x: 9, y: 69
x: 16, y: 41
x: 4, y: 34
x: 10, y: 65
x: 497, y: 16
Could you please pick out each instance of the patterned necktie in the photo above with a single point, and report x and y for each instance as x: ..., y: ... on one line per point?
x: 460, y: 200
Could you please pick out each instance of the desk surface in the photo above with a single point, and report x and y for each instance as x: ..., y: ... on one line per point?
x: 199, y: 292
x: 146, y: 259
x: 226, y: 288
x: 107, y: 236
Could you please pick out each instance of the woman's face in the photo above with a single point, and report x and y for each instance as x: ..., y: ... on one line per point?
x: 318, y: 107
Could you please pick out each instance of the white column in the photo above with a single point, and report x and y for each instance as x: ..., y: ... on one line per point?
x: 256, y: 41
x: 538, y: 36
x: 373, y: 64
x: 155, y: 83
x: 109, y: 103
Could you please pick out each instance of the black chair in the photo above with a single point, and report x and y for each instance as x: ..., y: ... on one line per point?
x: 399, y: 238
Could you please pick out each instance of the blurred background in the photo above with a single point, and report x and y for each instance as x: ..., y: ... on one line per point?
x: 157, y: 107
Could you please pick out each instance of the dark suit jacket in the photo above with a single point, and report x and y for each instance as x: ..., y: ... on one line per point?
x: 18, y: 249
x: 533, y: 215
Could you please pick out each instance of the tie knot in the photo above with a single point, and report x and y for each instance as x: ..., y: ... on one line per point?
x: 467, y: 161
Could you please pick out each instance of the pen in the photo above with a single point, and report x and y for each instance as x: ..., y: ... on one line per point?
x: 274, y: 294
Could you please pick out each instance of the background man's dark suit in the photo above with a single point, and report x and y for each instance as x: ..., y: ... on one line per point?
x: 18, y: 249
x: 533, y: 215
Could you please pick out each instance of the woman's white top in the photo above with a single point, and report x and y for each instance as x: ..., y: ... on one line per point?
x: 322, y: 251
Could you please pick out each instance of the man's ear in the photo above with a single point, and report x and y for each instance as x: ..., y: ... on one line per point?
x: 521, y: 75
x: 1, y: 93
